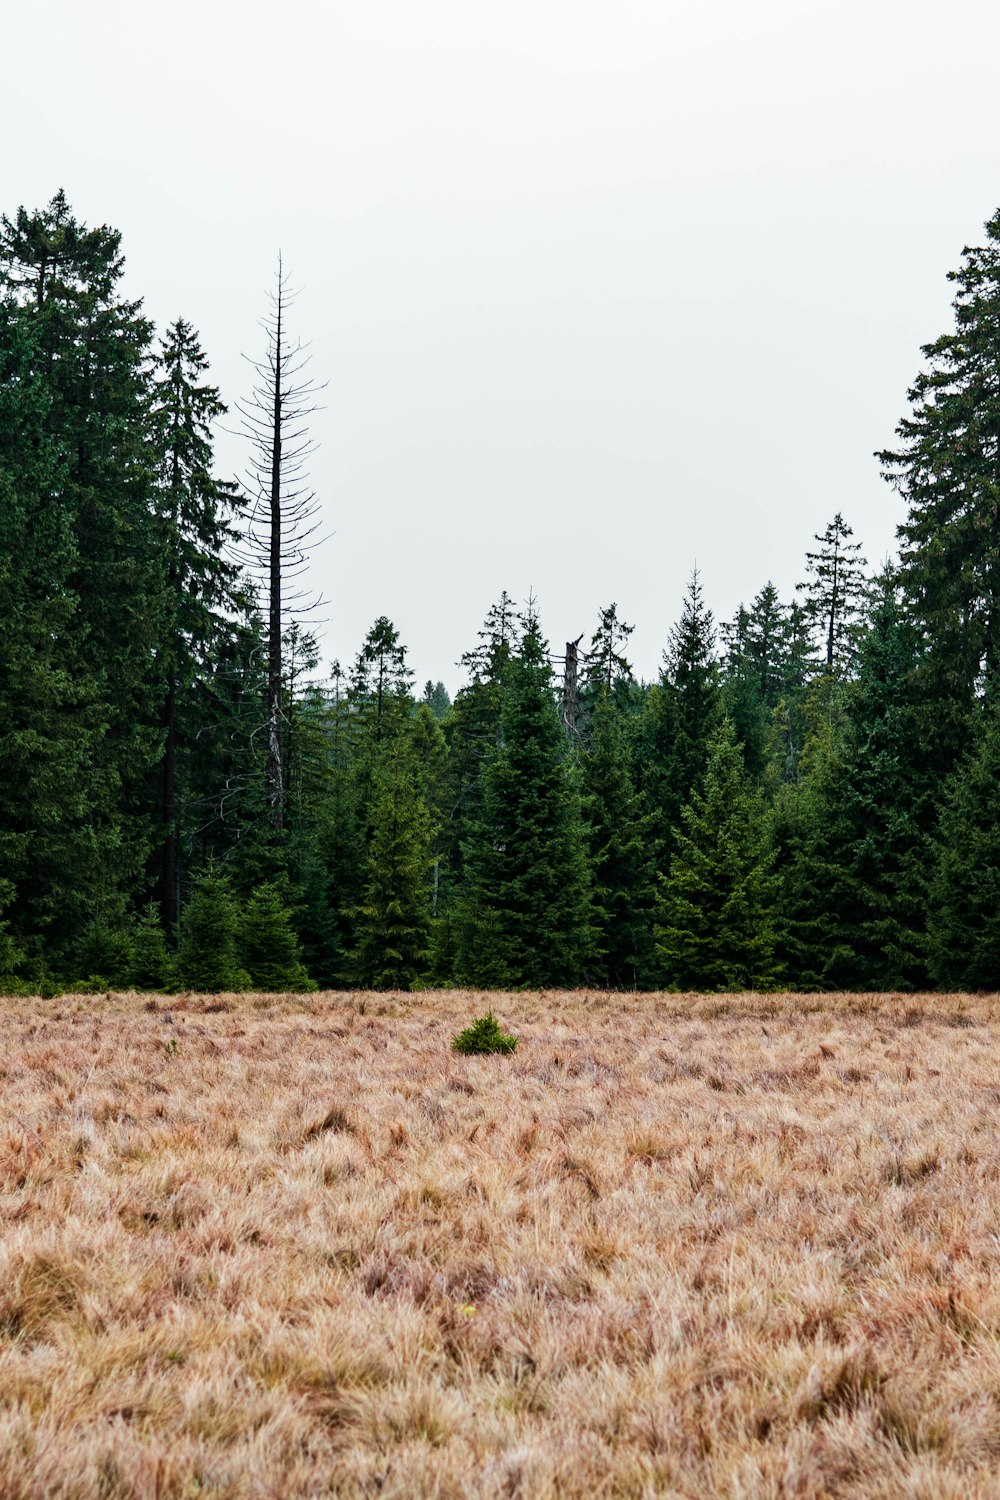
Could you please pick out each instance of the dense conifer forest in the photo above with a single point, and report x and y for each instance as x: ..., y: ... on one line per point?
x: 807, y: 797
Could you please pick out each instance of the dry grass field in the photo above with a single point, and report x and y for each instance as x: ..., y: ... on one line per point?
x: 684, y: 1246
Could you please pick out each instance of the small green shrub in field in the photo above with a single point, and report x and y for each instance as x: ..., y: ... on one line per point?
x: 484, y: 1035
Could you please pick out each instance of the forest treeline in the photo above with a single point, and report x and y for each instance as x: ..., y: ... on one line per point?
x: 808, y: 796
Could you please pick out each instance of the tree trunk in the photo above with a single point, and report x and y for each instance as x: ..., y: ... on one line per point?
x: 275, y: 777
x: 571, y: 687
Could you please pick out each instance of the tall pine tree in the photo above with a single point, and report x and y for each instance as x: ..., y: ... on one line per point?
x: 528, y: 914
x: 83, y: 355
x: 393, y: 921
x: 193, y: 508
x: 715, y: 925
x: 947, y: 469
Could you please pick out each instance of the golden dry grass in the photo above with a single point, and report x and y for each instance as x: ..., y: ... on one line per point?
x: 690, y: 1246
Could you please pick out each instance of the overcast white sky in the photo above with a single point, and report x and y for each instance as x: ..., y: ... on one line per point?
x: 601, y: 288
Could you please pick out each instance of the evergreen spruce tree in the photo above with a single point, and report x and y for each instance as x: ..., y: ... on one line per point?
x: 102, y: 955
x: 616, y: 831
x: 381, y: 684
x: 715, y: 916
x: 798, y: 672
x: 765, y: 676
x: 345, y: 836
x: 680, y: 718
x: 964, y: 897
x: 206, y: 956
x: 312, y: 804
x: 393, y: 921
x: 472, y: 732
x: 150, y: 967
x: 223, y: 805
x: 428, y: 751
x: 854, y: 881
x: 81, y: 356
x: 528, y: 918
x: 606, y: 670
x: 268, y: 946
x: 193, y: 509
x: 834, y: 593
x: 742, y: 698
x: 47, y: 724
x: 945, y: 468
x: 436, y: 697
x: 807, y: 947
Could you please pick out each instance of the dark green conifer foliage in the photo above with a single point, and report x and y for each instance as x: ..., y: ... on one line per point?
x: 193, y: 509
x: 428, y: 751
x: 798, y: 671
x: 268, y: 946
x: 313, y: 786
x: 715, y: 917
x: 964, y: 898
x: 46, y: 728
x: 150, y: 967
x: 12, y: 956
x: 437, y: 700
x: 472, y: 730
x: 223, y: 809
x: 370, y: 728
x: 617, y: 833
x: 805, y: 946
x: 484, y: 1036
x: 693, y: 674
x: 207, y: 956
x: 679, y: 718
x: 103, y: 955
x: 381, y: 685
x: 616, y: 828
x: 83, y: 353
x: 766, y: 669
x: 606, y: 670
x: 834, y: 594
x: 854, y: 879
x: 946, y: 470
x: 393, y: 921
x: 499, y: 640
x: 344, y: 835
x: 528, y: 918
x: 381, y: 708
x: 742, y: 697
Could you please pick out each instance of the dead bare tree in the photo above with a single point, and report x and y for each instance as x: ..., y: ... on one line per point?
x: 282, y: 510
x: 571, y: 687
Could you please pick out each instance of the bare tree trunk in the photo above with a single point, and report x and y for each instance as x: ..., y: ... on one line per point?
x: 275, y: 781
x: 571, y: 687
x: 282, y: 515
x: 834, y: 601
